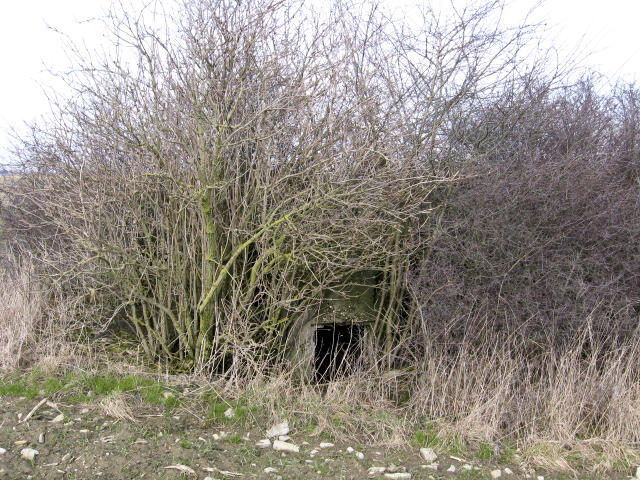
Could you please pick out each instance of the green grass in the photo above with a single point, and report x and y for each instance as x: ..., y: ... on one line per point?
x: 34, y: 384
x: 242, y: 413
x: 81, y: 388
x: 235, y: 439
x: 106, y: 384
x: 485, y: 451
x: 426, y: 436
x: 507, y: 453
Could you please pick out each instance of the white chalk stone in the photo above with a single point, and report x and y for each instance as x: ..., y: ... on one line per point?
x: 281, y: 446
x: 428, y: 454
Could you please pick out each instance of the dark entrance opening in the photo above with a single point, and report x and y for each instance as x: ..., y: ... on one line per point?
x: 338, y: 348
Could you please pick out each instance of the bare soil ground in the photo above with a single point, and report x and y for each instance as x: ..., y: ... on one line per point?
x: 119, y: 437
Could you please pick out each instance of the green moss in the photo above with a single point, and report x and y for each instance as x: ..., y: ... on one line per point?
x: 354, y: 300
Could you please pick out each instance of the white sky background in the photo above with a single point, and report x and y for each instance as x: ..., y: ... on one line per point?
x: 608, y: 28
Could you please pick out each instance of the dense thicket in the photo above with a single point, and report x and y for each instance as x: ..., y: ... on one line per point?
x: 542, y: 234
x: 216, y: 174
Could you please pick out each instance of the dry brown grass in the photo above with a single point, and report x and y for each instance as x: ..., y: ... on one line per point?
x: 33, y: 334
x: 560, y: 406
x: 564, y: 408
x: 20, y: 309
x: 120, y: 406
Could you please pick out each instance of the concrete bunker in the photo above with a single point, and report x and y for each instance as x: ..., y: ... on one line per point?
x: 327, y: 341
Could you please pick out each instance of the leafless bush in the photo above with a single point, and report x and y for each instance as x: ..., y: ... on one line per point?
x: 527, y: 298
x: 222, y: 169
x: 543, y: 235
x: 227, y: 168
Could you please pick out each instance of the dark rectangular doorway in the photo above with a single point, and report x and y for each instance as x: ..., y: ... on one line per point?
x: 338, y: 348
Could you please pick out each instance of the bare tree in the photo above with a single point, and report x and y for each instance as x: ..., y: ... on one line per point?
x: 217, y: 173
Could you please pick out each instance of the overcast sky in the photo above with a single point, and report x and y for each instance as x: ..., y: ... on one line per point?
x: 607, y: 27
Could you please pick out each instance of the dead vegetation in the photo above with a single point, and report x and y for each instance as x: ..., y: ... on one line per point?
x: 207, y: 198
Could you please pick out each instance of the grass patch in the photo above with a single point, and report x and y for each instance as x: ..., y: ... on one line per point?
x: 35, y: 384
x: 235, y: 439
x: 485, y: 451
x: 217, y: 411
x: 426, y: 436
x: 81, y: 389
x: 229, y: 412
x: 507, y: 453
x: 106, y: 384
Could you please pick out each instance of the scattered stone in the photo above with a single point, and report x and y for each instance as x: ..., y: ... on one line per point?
x: 360, y: 455
x: 281, y: 446
x: 326, y: 445
x: 539, y: 477
x: 264, y: 443
x: 84, y: 411
x: 84, y: 430
x: 432, y: 466
x: 41, y: 438
x: 392, y: 468
x: 508, y: 471
x: 279, y: 429
x: 400, y: 476
x: 284, y: 438
x: 376, y: 470
x: 466, y: 466
x: 59, y: 418
x: 428, y: 454
x: 141, y: 441
x: 229, y: 412
x: 270, y: 470
x: 313, y: 453
x: 451, y: 469
x: 350, y: 450
x: 496, y: 473
x: 20, y: 442
x: 2, y: 451
x: 224, y: 473
x: 29, y: 453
